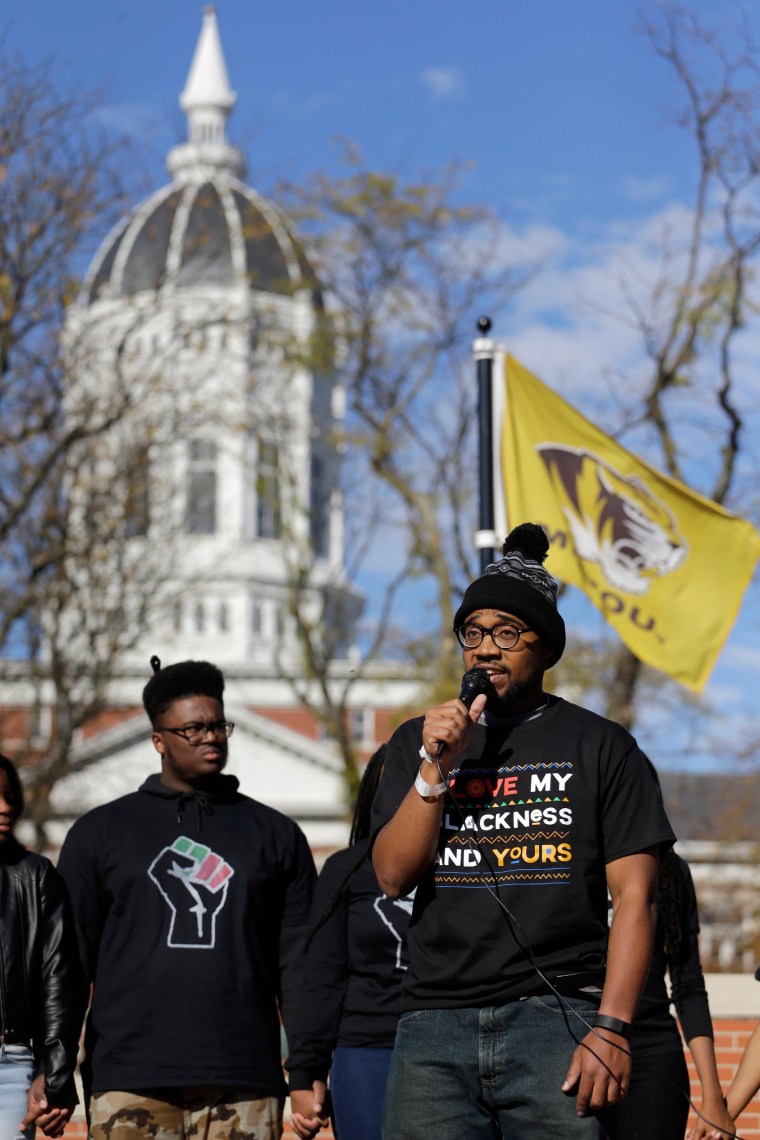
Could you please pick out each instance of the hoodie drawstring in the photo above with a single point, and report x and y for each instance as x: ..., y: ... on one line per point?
x: 203, y: 806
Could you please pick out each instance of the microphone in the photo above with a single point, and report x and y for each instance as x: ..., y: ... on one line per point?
x: 474, y: 682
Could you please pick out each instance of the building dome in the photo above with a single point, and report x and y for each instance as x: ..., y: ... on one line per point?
x: 202, y: 232
x: 206, y: 229
x: 201, y: 329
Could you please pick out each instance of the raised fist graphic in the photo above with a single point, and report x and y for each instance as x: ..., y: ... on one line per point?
x: 388, y: 909
x: 193, y: 880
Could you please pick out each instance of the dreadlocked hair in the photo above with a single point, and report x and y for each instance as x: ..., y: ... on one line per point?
x: 360, y: 831
x: 671, y: 901
x: 671, y: 912
x: 361, y: 823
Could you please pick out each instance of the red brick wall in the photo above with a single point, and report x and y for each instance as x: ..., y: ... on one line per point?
x: 298, y: 719
x: 76, y: 1128
x: 731, y: 1035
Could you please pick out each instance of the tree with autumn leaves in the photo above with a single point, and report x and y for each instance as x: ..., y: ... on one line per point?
x: 405, y: 267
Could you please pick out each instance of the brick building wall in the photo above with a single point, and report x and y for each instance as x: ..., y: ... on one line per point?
x: 731, y: 1036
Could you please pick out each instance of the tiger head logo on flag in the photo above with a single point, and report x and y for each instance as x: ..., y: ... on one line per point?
x: 614, y: 521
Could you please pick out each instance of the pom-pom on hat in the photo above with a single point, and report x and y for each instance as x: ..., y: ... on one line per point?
x: 518, y: 584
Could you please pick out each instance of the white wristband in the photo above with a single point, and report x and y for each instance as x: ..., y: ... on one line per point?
x: 428, y: 790
x: 425, y: 755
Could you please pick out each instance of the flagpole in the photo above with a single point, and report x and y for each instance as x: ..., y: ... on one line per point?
x: 483, y: 349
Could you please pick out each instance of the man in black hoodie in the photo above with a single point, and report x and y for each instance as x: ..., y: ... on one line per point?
x: 190, y: 901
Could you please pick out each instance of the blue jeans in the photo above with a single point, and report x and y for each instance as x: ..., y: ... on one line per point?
x: 464, y: 1074
x: 357, y: 1083
x: 16, y: 1075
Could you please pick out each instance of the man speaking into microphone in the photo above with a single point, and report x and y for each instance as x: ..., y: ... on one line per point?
x: 514, y: 812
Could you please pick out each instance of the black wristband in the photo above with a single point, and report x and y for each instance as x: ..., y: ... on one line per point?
x: 614, y: 1024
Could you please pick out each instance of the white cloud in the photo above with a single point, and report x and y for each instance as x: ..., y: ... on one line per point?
x: 303, y: 106
x: 574, y: 321
x: 442, y: 82
x: 136, y: 120
x: 745, y: 657
x: 534, y: 244
x: 642, y: 190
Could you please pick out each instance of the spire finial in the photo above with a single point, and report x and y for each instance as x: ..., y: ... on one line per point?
x: 207, y: 100
x: 208, y: 97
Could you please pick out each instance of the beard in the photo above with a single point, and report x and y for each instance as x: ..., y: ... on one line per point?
x: 517, y: 695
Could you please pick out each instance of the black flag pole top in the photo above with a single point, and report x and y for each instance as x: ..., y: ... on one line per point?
x: 483, y: 350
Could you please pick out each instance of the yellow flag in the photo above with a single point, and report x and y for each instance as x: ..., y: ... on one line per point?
x: 667, y: 567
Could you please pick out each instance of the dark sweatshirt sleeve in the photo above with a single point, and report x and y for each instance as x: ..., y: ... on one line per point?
x: 401, y: 765
x: 299, y: 889
x: 63, y: 993
x: 315, y: 1029
x: 79, y: 871
x: 690, y: 995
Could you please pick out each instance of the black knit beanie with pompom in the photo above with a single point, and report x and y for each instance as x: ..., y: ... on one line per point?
x: 518, y: 584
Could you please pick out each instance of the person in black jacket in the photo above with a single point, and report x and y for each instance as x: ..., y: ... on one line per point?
x: 42, y: 992
x: 191, y: 903
x: 351, y: 997
x: 657, y: 1105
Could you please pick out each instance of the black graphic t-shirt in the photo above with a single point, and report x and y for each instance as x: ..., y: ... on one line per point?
x: 191, y: 911
x: 355, y: 965
x: 534, y: 813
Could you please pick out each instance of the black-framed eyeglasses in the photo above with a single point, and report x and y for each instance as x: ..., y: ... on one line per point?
x: 471, y: 634
x: 197, y: 732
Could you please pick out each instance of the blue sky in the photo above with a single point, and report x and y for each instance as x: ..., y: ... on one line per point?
x: 559, y: 106
x: 563, y: 111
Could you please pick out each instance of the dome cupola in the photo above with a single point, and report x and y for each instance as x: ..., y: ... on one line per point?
x: 207, y: 228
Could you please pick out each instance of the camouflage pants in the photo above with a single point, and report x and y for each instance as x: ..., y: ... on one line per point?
x: 200, y: 1113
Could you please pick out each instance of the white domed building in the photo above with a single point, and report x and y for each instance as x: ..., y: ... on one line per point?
x: 221, y: 473
x: 194, y: 300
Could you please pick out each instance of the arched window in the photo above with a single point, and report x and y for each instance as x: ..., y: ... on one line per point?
x: 319, y: 508
x: 255, y: 617
x: 201, y: 487
x: 137, y: 497
x: 268, y: 520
